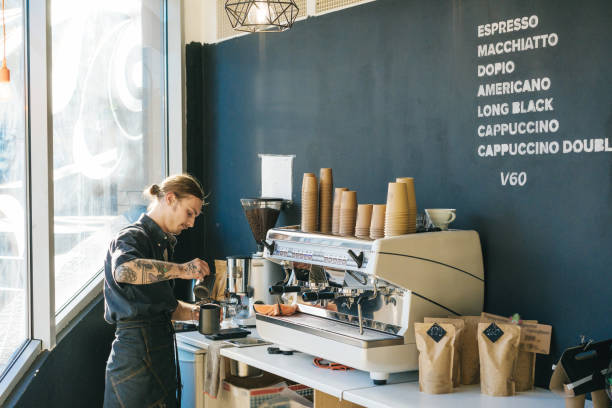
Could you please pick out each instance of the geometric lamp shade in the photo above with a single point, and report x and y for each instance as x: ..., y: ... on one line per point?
x: 261, y: 15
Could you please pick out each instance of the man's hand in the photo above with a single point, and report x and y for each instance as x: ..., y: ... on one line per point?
x: 186, y: 311
x: 195, y: 269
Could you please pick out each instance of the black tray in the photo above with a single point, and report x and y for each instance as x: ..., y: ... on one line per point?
x: 225, y: 334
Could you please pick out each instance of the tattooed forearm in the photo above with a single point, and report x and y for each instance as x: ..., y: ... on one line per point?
x: 144, y: 271
x: 125, y: 274
x: 144, y: 266
x: 161, y: 269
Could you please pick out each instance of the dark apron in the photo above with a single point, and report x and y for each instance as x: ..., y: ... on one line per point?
x: 141, y: 370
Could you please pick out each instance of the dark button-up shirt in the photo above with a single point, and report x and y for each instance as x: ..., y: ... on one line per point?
x: 123, y: 301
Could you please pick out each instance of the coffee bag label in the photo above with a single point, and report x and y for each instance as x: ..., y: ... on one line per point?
x: 436, y: 332
x: 493, y: 332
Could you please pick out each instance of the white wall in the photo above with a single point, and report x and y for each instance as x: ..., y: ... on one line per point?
x: 200, y: 21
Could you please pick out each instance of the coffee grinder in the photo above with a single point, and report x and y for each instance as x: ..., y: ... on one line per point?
x: 250, y: 277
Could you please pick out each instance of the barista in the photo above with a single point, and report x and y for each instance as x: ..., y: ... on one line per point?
x: 142, y: 369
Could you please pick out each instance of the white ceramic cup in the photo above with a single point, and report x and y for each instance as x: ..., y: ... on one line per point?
x: 441, y: 217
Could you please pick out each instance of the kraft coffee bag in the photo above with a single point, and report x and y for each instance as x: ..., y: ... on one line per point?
x: 524, y: 372
x: 218, y: 290
x: 470, y: 368
x: 459, y: 327
x: 498, y: 350
x: 436, y: 345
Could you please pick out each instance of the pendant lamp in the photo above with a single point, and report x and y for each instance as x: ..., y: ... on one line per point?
x: 261, y: 15
x: 6, y: 90
x: 5, y: 74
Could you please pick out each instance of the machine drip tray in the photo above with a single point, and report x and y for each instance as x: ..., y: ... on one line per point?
x: 334, y: 330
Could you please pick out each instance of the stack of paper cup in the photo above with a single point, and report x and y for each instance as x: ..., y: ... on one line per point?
x: 377, y: 225
x: 325, y: 200
x: 336, y: 209
x: 364, y: 219
x: 310, y: 201
x: 412, y: 206
x: 348, y: 213
x: 397, y: 220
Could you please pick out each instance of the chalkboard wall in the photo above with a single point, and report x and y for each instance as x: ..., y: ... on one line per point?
x: 390, y: 88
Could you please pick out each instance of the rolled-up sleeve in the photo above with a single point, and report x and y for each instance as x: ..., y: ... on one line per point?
x: 129, y: 245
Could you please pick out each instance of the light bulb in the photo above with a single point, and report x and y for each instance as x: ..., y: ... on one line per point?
x: 258, y: 14
x: 6, y: 91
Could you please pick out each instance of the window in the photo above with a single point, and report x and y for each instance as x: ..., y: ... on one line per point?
x: 116, y: 90
x: 14, y: 326
x: 109, y: 127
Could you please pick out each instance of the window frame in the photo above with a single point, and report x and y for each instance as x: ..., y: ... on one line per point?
x: 45, y: 327
x: 39, y: 326
x: 18, y: 367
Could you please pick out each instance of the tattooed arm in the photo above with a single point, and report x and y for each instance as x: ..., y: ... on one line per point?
x: 144, y: 271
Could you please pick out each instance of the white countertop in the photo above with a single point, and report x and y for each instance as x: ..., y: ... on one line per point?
x: 407, y: 395
x: 194, y: 338
x: 300, y: 368
x: 402, y: 389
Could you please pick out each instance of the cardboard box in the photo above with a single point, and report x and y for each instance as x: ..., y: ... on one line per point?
x: 254, y: 392
x: 323, y: 400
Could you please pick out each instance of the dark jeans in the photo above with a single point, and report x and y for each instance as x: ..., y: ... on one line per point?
x: 141, y: 368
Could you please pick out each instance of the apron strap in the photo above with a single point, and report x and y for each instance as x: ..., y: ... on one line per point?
x: 179, y: 384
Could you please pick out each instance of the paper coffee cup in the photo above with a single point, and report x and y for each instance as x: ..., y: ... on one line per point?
x: 409, y: 182
x: 364, y: 215
x: 397, y: 198
x: 310, y: 203
x: 336, y: 209
x: 349, y: 200
x: 325, y: 200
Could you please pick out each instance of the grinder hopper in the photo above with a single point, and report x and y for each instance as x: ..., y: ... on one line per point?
x: 261, y: 213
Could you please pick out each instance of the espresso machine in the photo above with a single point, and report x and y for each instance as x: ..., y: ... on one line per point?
x: 358, y: 299
x: 250, y: 277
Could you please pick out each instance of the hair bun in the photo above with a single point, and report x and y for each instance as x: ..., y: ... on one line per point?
x: 154, y: 190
